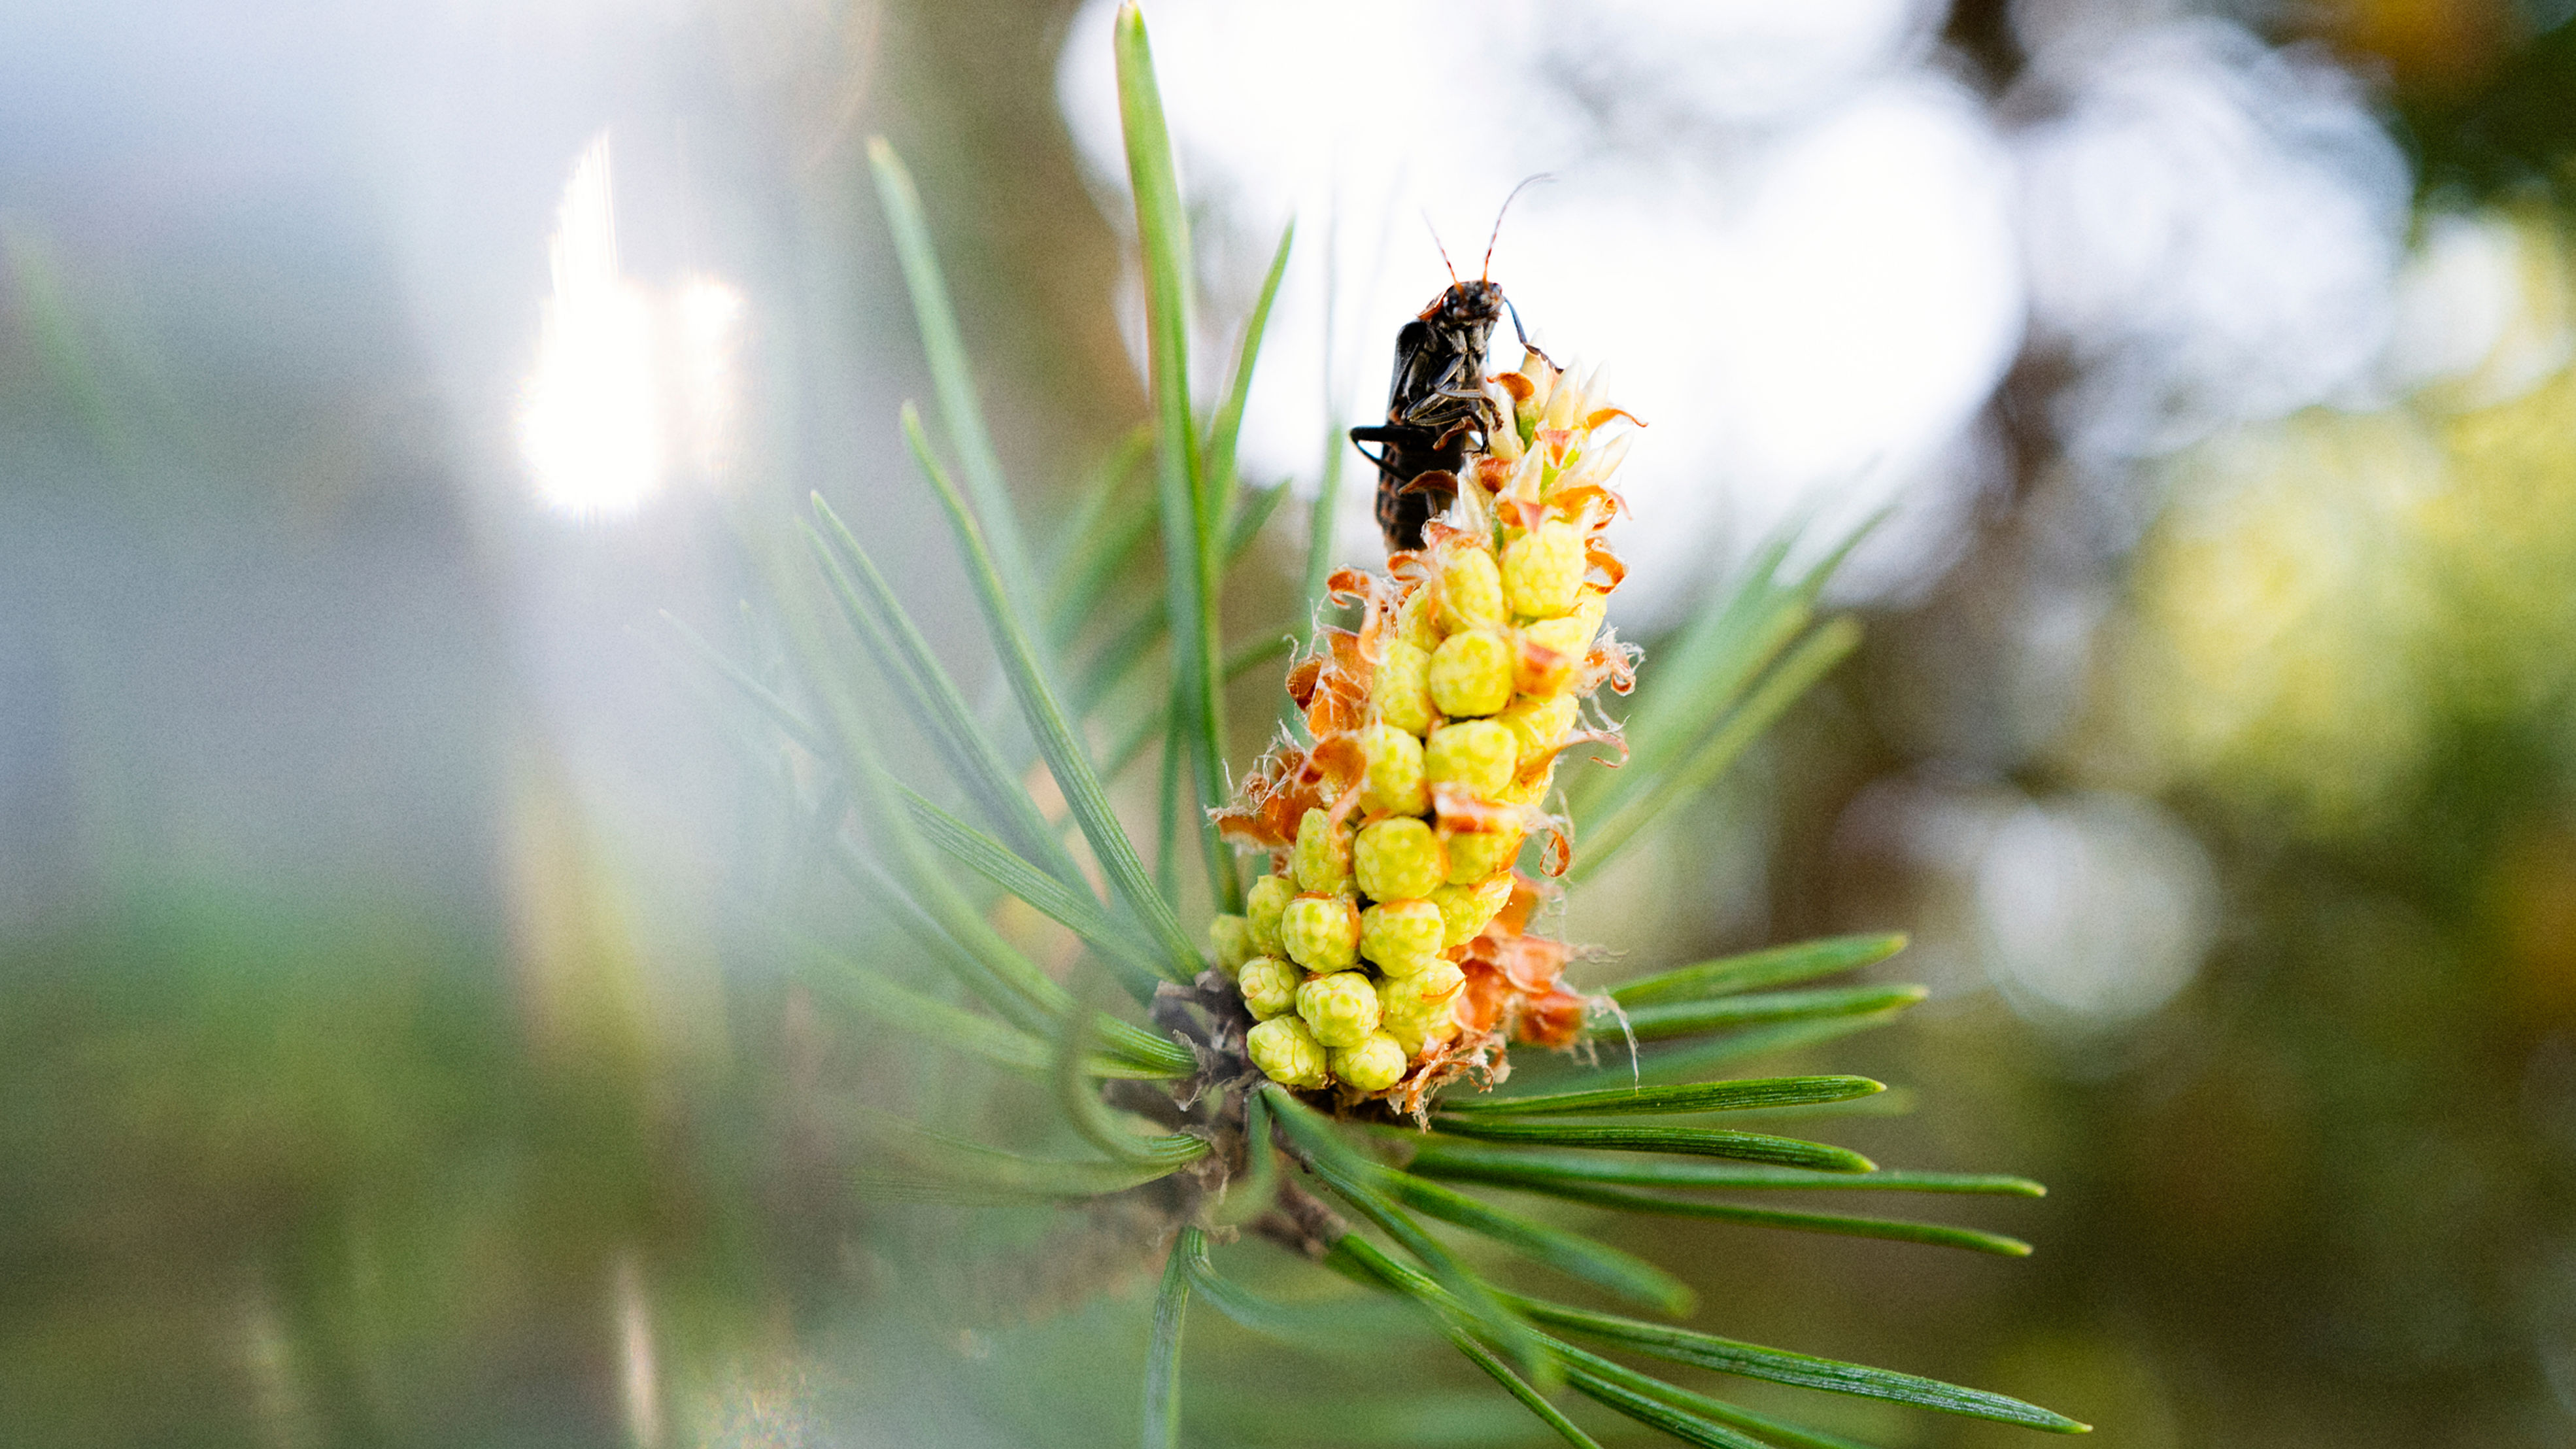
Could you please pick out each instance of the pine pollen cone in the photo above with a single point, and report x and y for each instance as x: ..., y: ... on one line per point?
x: 1428, y: 756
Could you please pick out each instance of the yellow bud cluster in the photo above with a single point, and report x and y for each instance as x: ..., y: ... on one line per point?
x: 1322, y: 933
x: 1403, y: 694
x: 1433, y: 754
x: 1354, y: 957
x: 1232, y: 938
x: 1284, y: 1049
x: 1340, y: 1009
x: 1269, y: 986
x: 1323, y: 854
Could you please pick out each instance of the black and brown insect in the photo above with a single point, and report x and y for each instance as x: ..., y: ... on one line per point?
x: 1436, y: 404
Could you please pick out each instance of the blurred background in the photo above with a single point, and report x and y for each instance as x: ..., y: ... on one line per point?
x: 391, y: 1051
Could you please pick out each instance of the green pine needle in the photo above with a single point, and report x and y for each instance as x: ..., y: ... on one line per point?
x: 1129, y: 958
x: 1625, y: 1390
x: 1726, y: 1355
x: 1684, y: 1060
x: 1439, y: 1158
x: 1365, y: 1326
x: 1690, y: 1018
x: 1900, y: 1230
x: 1092, y: 1118
x: 1754, y: 970
x: 914, y: 1162
x: 1619, y: 823
x: 1101, y: 539
x: 1163, y: 1357
x: 1690, y: 1141
x: 951, y: 377
x: 1228, y: 427
x: 900, y: 1008
x: 1573, y: 1254
x: 1713, y: 1416
x: 1046, y: 719
x: 905, y: 660
x: 1191, y: 521
x: 1357, y: 1181
x: 1695, y: 1097
x: 1518, y: 1387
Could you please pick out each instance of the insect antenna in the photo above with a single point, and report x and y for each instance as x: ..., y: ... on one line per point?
x: 1488, y: 272
x: 1444, y: 251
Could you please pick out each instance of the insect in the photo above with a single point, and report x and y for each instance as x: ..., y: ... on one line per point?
x: 1436, y: 401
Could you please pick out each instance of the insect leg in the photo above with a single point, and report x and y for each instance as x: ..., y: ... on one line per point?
x: 1521, y: 332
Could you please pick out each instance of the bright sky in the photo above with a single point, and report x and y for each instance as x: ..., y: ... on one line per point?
x: 631, y: 382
